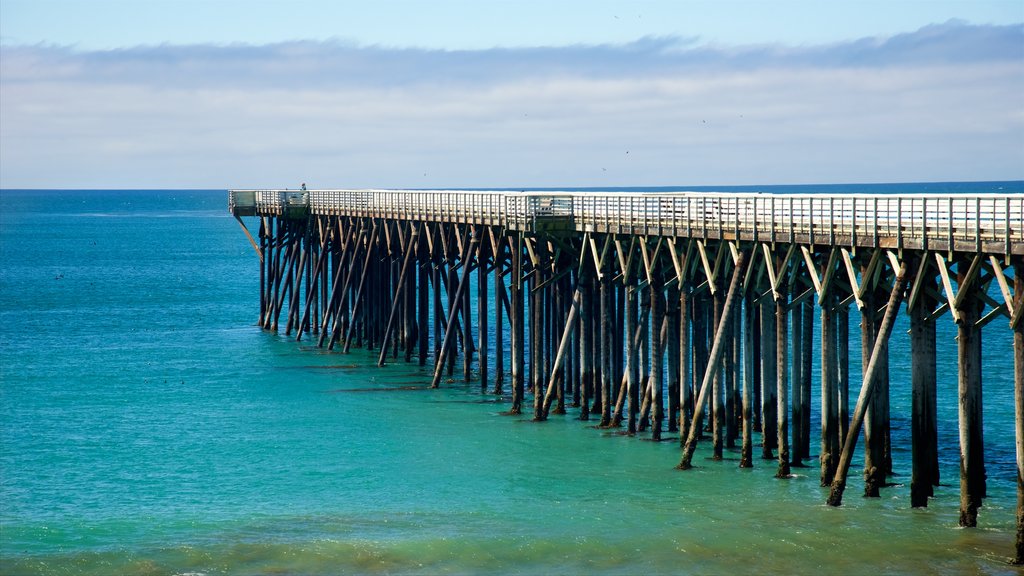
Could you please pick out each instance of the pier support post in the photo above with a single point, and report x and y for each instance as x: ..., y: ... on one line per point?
x: 796, y: 376
x: 874, y: 430
x: 586, y: 343
x: 685, y: 373
x: 830, y: 441
x: 806, y: 377
x: 263, y: 268
x: 699, y: 310
x: 453, y: 310
x: 843, y: 374
x: 672, y: 305
x: 717, y: 349
x: 835, y: 497
x: 483, y: 334
x: 400, y: 286
x: 782, y: 381
x: 732, y: 383
x: 423, y: 302
x: 717, y: 384
x: 499, y: 315
x: 769, y: 379
x: 972, y: 462
x: 607, y: 320
x: 1018, y: 398
x: 564, y: 344
x: 518, y: 329
x: 924, y: 448
x: 657, y: 356
x: 746, y: 452
x: 632, y: 358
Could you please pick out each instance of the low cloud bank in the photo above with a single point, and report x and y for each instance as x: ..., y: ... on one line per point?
x: 941, y: 103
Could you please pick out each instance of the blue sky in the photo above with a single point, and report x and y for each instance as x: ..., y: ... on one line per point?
x: 456, y: 93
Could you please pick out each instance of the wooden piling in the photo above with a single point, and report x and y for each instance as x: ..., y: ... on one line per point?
x: 499, y: 315
x: 451, y: 327
x: 923, y: 379
x: 632, y: 358
x: 586, y: 345
x: 806, y: 377
x: 796, y: 414
x: 423, y: 305
x: 518, y: 329
x: 835, y: 497
x: 972, y: 461
x: 1017, y: 326
x: 717, y: 387
x: 782, y: 380
x: 843, y: 373
x: 685, y: 368
x: 673, y: 366
x: 769, y: 379
x: 657, y: 360
x: 830, y: 441
x: 731, y: 385
x: 482, y: 317
x: 747, y: 349
x: 564, y: 345
x: 874, y: 444
x: 717, y: 350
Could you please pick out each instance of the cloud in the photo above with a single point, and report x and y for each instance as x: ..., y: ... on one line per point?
x: 936, y: 104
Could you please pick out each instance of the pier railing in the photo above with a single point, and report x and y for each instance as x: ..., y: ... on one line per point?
x: 991, y: 223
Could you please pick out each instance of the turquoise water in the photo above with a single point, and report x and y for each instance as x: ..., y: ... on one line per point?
x: 148, y: 427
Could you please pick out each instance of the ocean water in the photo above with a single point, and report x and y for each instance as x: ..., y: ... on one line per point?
x: 147, y: 426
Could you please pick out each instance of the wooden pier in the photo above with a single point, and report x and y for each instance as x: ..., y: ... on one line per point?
x: 679, y: 313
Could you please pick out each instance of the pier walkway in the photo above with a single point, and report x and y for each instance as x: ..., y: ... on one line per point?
x: 691, y: 314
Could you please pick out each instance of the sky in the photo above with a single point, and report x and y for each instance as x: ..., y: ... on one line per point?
x: 449, y: 93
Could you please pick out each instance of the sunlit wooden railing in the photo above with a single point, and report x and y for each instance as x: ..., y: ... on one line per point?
x: 979, y: 223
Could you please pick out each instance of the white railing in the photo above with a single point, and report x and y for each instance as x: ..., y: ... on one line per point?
x: 975, y: 223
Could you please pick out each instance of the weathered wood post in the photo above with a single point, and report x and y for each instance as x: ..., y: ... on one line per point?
x: 717, y: 385
x: 518, y: 329
x: 835, y: 497
x: 263, y: 268
x: 499, y: 315
x: 632, y: 357
x: 874, y: 433
x: 685, y: 372
x: 564, y: 345
x: 657, y: 353
x: 586, y: 343
x: 700, y: 312
x: 769, y: 379
x: 806, y: 377
x: 972, y: 447
x: 796, y: 414
x: 371, y: 254
x: 1017, y: 325
x: 747, y: 447
x: 482, y: 328
x: 407, y: 260
x: 673, y: 357
x: 782, y: 380
x: 717, y: 349
x: 923, y: 379
x: 453, y: 310
x: 731, y: 385
x: 607, y: 319
x: 843, y: 362
x: 423, y: 301
x: 830, y: 442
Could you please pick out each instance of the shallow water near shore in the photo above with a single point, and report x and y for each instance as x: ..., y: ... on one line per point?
x: 148, y: 427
